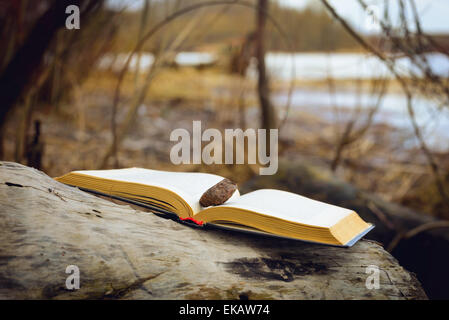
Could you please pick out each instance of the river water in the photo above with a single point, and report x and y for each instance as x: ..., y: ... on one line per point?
x: 339, y: 66
x: 431, y: 117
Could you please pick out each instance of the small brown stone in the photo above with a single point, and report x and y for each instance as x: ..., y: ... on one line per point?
x: 218, y: 194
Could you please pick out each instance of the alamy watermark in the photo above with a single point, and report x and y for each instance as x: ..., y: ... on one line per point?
x: 373, y: 280
x: 188, y: 148
x: 73, y: 280
x: 73, y: 20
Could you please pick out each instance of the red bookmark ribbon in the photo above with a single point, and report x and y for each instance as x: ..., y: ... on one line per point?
x: 190, y: 219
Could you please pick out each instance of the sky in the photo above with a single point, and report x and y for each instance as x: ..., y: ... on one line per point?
x: 434, y: 13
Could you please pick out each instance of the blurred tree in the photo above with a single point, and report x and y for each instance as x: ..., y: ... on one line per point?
x: 24, y: 63
x: 269, y: 120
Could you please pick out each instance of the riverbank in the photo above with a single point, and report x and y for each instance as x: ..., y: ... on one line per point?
x: 381, y: 160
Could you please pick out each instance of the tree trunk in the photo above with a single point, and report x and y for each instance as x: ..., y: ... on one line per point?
x: 269, y: 120
x: 22, y: 69
x: 25, y: 63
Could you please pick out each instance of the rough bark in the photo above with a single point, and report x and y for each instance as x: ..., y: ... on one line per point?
x: 129, y: 254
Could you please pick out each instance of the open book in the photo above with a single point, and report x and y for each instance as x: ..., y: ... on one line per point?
x: 266, y: 211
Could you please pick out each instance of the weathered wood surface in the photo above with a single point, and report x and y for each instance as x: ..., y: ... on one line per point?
x: 129, y: 254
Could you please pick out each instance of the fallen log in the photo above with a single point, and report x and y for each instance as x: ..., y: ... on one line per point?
x: 124, y: 253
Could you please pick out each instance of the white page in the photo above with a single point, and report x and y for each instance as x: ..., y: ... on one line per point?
x: 290, y: 206
x: 188, y: 185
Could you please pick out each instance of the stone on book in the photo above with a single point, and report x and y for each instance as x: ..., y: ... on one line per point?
x: 218, y: 194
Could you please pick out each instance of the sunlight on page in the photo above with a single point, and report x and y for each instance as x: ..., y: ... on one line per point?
x: 290, y: 206
x: 188, y: 185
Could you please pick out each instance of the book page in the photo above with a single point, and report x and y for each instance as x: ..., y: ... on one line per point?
x: 188, y: 185
x: 290, y: 206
